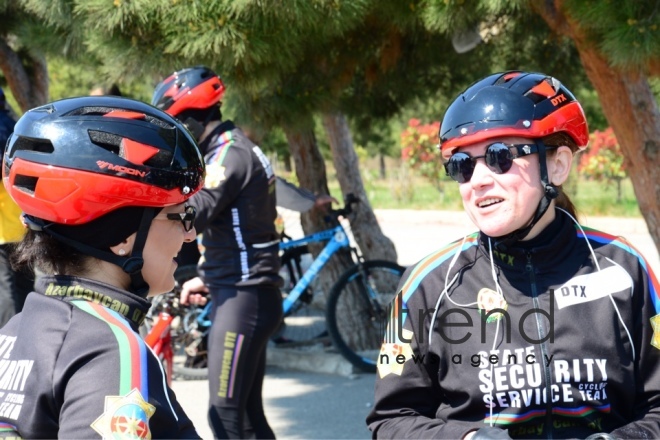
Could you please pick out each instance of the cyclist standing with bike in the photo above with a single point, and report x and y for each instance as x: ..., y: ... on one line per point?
x: 103, y: 183
x: 533, y: 327
x: 236, y: 214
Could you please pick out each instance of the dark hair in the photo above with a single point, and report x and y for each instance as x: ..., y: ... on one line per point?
x: 114, y: 90
x: 203, y: 116
x: 557, y: 140
x: 39, y: 250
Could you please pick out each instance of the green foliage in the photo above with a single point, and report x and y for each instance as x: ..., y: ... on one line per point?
x: 374, y: 135
x: 419, y: 149
x: 70, y: 78
x: 588, y: 98
x: 603, y: 161
x: 406, y: 189
x: 628, y: 32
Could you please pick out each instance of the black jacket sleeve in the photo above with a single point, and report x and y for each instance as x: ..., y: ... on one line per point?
x: 408, y: 395
x: 646, y: 335
x: 291, y: 197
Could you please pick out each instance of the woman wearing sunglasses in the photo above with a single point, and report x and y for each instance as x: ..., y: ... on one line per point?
x: 103, y: 183
x: 534, y: 326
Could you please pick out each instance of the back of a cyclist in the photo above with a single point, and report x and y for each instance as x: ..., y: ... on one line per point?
x: 240, y: 267
x: 103, y: 183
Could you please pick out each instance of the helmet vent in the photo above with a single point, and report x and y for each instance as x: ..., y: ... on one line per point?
x: 37, y: 145
x: 107, y: 141
x: 162, y: 159
x: 25, y: 183
x: 102, y: 111
x: 90, y: 111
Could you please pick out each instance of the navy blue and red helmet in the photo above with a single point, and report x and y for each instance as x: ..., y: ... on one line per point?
x: 74, y: 160
x: 529, y: 105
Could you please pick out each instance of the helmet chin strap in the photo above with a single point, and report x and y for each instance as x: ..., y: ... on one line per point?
x: 550, y: 192
x: 132, y: 264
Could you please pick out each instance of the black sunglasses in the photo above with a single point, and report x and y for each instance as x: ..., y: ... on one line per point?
x: 498, y: 158
x: 187, y: 217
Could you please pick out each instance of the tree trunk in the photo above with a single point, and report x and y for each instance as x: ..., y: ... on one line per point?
x: 367, y: 232
x: 310, y: 170
x: 630, y: 108
x: 381, y: 163
x: 29, y: 90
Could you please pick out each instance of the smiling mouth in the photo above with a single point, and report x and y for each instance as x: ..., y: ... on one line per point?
x: 489, y: 202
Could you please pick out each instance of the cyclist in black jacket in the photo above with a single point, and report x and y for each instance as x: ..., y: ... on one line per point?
x: 103, y: 183
x: 535, y: 326
x: 236, y: 215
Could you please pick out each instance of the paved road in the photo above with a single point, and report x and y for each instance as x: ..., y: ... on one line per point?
x: 299, y: 405
x: 322, y: 406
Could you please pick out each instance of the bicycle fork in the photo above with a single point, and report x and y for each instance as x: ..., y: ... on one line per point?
x: 160, y: 341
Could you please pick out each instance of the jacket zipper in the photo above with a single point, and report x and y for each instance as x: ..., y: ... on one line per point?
x: 544, y: 353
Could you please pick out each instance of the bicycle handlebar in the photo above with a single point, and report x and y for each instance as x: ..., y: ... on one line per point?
x: 349, y: 200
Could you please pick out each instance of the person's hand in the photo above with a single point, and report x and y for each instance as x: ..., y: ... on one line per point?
x: 323, y: 200
x: 194, y: 292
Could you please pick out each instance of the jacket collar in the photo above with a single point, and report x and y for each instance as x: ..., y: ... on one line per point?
x: 546, y: 252
x: 209, y: 144
x: 69, y: 288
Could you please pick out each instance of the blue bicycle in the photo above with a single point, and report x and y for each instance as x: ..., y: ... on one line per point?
x: 357, y: 304
x: 356, y: 307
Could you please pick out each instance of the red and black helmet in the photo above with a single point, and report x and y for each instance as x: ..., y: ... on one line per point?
x: 74, y: 160
x: 530, y: 105
x: 194, y: 88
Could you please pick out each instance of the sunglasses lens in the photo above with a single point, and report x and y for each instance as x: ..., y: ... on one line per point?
x: 460, y: 167
x: 499, y: 158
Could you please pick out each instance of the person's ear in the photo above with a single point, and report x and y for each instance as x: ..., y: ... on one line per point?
x: 559, y: 165
x: 125, y: 247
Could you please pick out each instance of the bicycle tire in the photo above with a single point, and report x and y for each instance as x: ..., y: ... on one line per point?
x: 355, y: 326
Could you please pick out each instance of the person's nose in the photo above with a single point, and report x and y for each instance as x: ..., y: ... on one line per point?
x: 482, y: 175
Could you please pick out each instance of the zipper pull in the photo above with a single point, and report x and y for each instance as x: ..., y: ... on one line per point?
x: 528, y: 266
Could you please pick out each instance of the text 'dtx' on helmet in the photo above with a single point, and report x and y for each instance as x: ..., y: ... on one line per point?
x: 530, y: 105
x: 193, y: 88
x: 74, y: 160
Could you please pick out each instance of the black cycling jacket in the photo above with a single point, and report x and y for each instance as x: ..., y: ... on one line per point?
x: 236, y: 212
x: 571, y: 353
x: 72, y: 365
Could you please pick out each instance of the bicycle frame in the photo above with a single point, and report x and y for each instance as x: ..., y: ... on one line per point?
x: 337, y: 239
x: 160, y: 341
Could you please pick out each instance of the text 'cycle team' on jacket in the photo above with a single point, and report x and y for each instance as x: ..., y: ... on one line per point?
x: 565, y: 351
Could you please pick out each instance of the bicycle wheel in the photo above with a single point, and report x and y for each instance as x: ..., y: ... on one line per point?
x: 304, y: 322
x: 356, y: 314
x: 190, y: 349
x: 189, y: 338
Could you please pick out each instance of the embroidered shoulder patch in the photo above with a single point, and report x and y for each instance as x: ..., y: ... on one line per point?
x: 655, y: 323
x: 394, y: 354
x: 125, y: 417
x: 215, y: 175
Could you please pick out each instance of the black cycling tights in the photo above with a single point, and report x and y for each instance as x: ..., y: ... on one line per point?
x: 244, y: 319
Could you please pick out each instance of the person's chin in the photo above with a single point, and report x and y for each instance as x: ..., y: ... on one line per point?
x: 496, y: 226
